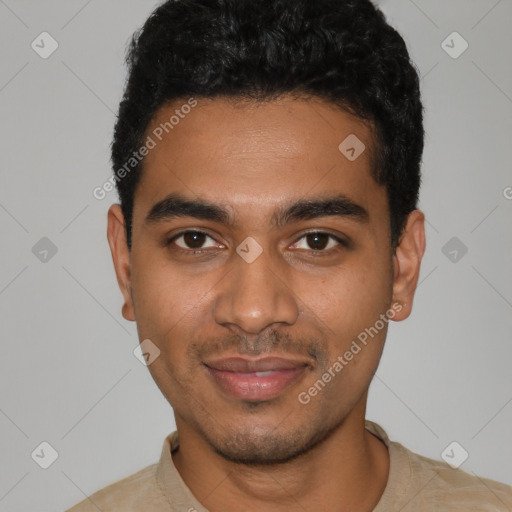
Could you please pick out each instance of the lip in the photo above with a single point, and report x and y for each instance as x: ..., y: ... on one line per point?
x: 255, y: 379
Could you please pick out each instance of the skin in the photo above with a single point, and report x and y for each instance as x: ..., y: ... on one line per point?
x: 289, y: 302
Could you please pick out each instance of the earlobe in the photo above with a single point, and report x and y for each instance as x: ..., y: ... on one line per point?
x: 407, y: 263
x: 116, y: 235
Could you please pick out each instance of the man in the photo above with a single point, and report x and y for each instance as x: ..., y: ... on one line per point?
x: 267, y: 156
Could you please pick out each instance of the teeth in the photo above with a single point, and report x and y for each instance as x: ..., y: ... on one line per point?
x: 264, y: 374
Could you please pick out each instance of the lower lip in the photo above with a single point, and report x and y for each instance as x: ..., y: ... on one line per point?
x: 256, y: 386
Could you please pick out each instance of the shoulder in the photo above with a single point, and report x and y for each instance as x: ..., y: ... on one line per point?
x: 138, y: 491
x: 445, y: 488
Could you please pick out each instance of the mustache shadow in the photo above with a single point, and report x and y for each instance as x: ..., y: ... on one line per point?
x: 269, y: 341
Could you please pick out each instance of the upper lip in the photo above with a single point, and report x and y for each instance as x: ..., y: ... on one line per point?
x: 242, y: 365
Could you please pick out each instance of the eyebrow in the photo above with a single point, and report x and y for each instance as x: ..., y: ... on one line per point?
x: 175, y: 206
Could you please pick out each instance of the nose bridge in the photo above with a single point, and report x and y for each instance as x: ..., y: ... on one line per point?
x: 253, y: 296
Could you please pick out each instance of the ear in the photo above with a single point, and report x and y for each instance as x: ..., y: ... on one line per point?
x: 406, y: 263
x: 116, y: 235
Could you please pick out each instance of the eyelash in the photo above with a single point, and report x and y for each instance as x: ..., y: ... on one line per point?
x: 318, y: 252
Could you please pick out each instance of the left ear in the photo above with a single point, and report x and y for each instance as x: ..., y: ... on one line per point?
x: 406, y: 263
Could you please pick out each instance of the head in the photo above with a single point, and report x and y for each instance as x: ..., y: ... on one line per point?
x: 271, y: 155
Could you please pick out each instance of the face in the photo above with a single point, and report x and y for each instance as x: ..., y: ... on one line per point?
x: 260, y: 260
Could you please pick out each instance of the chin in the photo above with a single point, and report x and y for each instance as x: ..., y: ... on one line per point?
x: 260, y: 446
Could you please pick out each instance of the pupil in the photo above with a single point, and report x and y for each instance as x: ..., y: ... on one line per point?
x: 193, y: 237
x: 317, y: 241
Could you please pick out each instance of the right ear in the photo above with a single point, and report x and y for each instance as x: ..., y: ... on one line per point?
x: 116, y: 235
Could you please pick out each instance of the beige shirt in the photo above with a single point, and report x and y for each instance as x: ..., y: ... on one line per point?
x: 415, y: 484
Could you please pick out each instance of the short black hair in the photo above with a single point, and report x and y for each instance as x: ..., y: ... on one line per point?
x: 341, y: 51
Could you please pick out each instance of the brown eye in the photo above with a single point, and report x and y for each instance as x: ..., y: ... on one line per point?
x: 319, y: 242
x: 193, y: 240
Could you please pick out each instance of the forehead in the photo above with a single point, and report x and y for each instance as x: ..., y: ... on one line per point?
x: 255, y: 156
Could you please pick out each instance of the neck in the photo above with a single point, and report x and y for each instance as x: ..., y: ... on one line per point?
x: 347, y: 471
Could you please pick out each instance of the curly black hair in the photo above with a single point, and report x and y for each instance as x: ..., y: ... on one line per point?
x: 341, y: 51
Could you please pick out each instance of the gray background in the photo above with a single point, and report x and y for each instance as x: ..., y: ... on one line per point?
x: 68, y: 375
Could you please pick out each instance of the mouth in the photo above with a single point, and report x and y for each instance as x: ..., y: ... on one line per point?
x: 255, y: 379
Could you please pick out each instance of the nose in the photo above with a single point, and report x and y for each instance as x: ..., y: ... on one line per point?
x: 254, y: 296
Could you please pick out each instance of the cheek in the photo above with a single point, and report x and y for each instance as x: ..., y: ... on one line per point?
x: 351, y: 299
x: 170, y: 310
x: 166, y: 299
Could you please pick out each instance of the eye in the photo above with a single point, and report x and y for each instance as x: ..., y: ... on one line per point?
x: 191, y: 240
x: 319, y: 242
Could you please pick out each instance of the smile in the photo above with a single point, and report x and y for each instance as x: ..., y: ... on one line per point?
x: 255, y: 380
